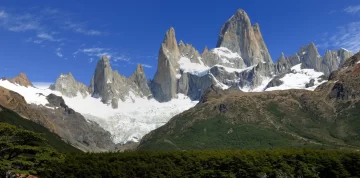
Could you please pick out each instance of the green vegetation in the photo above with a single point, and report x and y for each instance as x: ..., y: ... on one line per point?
x: 229, y: 163
x: 51, y: 139
x: 22, y: 151
x: 218, y: 133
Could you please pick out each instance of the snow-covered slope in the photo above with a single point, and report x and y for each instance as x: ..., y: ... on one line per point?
x: 298, y: 78
x: 132, y: 120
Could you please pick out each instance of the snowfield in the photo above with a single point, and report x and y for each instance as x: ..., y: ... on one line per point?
x: 298, y: 79
x: 129, y: 122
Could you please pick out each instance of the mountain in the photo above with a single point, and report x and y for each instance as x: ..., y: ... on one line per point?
x: 240, y: 59
x: 112, y: 87
x: 53, y: 140
x: 117, y: 111
x: 21, y: 80
x: 239, y: 36
x: 181, y: 68
x: 51, y: 112
x: 230, y: 119
x: 68, y: 86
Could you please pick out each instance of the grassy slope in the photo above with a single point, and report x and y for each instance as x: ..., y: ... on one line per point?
x: 53, y: 140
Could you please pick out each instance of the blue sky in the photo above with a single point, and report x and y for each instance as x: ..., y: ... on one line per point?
x: 45, y: 38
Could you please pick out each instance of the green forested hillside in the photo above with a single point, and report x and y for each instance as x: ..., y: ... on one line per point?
x: 52, y: 140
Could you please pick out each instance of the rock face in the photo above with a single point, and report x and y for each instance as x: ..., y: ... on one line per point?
x: 72, y: 126
x: 239, y: 36
x: 21, y: 80
x: 139, y: 78
x: 310, y: 57
x: 164, y: 85
x: 112, y: 87
x: 68, y: 86
x: 282, y: 64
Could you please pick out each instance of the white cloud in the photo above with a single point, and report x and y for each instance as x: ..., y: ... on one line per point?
x: 347, y: 36
x: 94, y: 50
x: 3, y: 14
x: 121, y: 58
x: 79, y: 28
x: 146, y: 65
x: 22, y: 26
x: 58, y: 52
x: 98, y: 52
x: 48, y: 37
x: 352, y: 9
x: 37, y: 41
x: 91, y: 60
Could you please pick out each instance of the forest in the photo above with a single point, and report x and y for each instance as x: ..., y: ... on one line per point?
x: 26, y: 152
x: 27, y: 148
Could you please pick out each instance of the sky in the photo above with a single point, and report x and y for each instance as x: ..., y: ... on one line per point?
x: 45, y: 38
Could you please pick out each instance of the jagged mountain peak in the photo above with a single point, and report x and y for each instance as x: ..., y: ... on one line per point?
x: 239, y: 36
x: 139, y: 68
x: 170, y: 39
x: 21, y: 80
x: 68, y: 86
x: 241, y: 14
x: 310, y: 49
x: 205, y: 50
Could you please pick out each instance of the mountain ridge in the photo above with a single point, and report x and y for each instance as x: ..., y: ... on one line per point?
x: 324, y: 118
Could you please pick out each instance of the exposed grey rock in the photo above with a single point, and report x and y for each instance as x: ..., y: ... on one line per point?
x: 68, y: 86
x: 310, y: 84
x: 139, y: 78
x: 282, y: 64
x: 276, y: 81
x: 310, y: 57
x: 238, y: 35
x: 73, y: 127
x: 112, y: 87
x: 188, y: 51
x: 193, y: 85
x: 164, y: 85
x: 334, y: 59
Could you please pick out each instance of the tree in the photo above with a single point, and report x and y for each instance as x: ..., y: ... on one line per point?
x: 23, y: 151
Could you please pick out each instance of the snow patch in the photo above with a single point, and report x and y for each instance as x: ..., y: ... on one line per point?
x: 232, y: 70
x: 223, y: 52
x: 345, y: 49
x: 193, y: 68
x: 218, y: 83
x: 298, y: 79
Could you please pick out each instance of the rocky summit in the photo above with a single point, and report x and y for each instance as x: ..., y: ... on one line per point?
x: 240, y: 36
x: 68, y: 86
x: 21, y: 80
x: 112, y: 87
